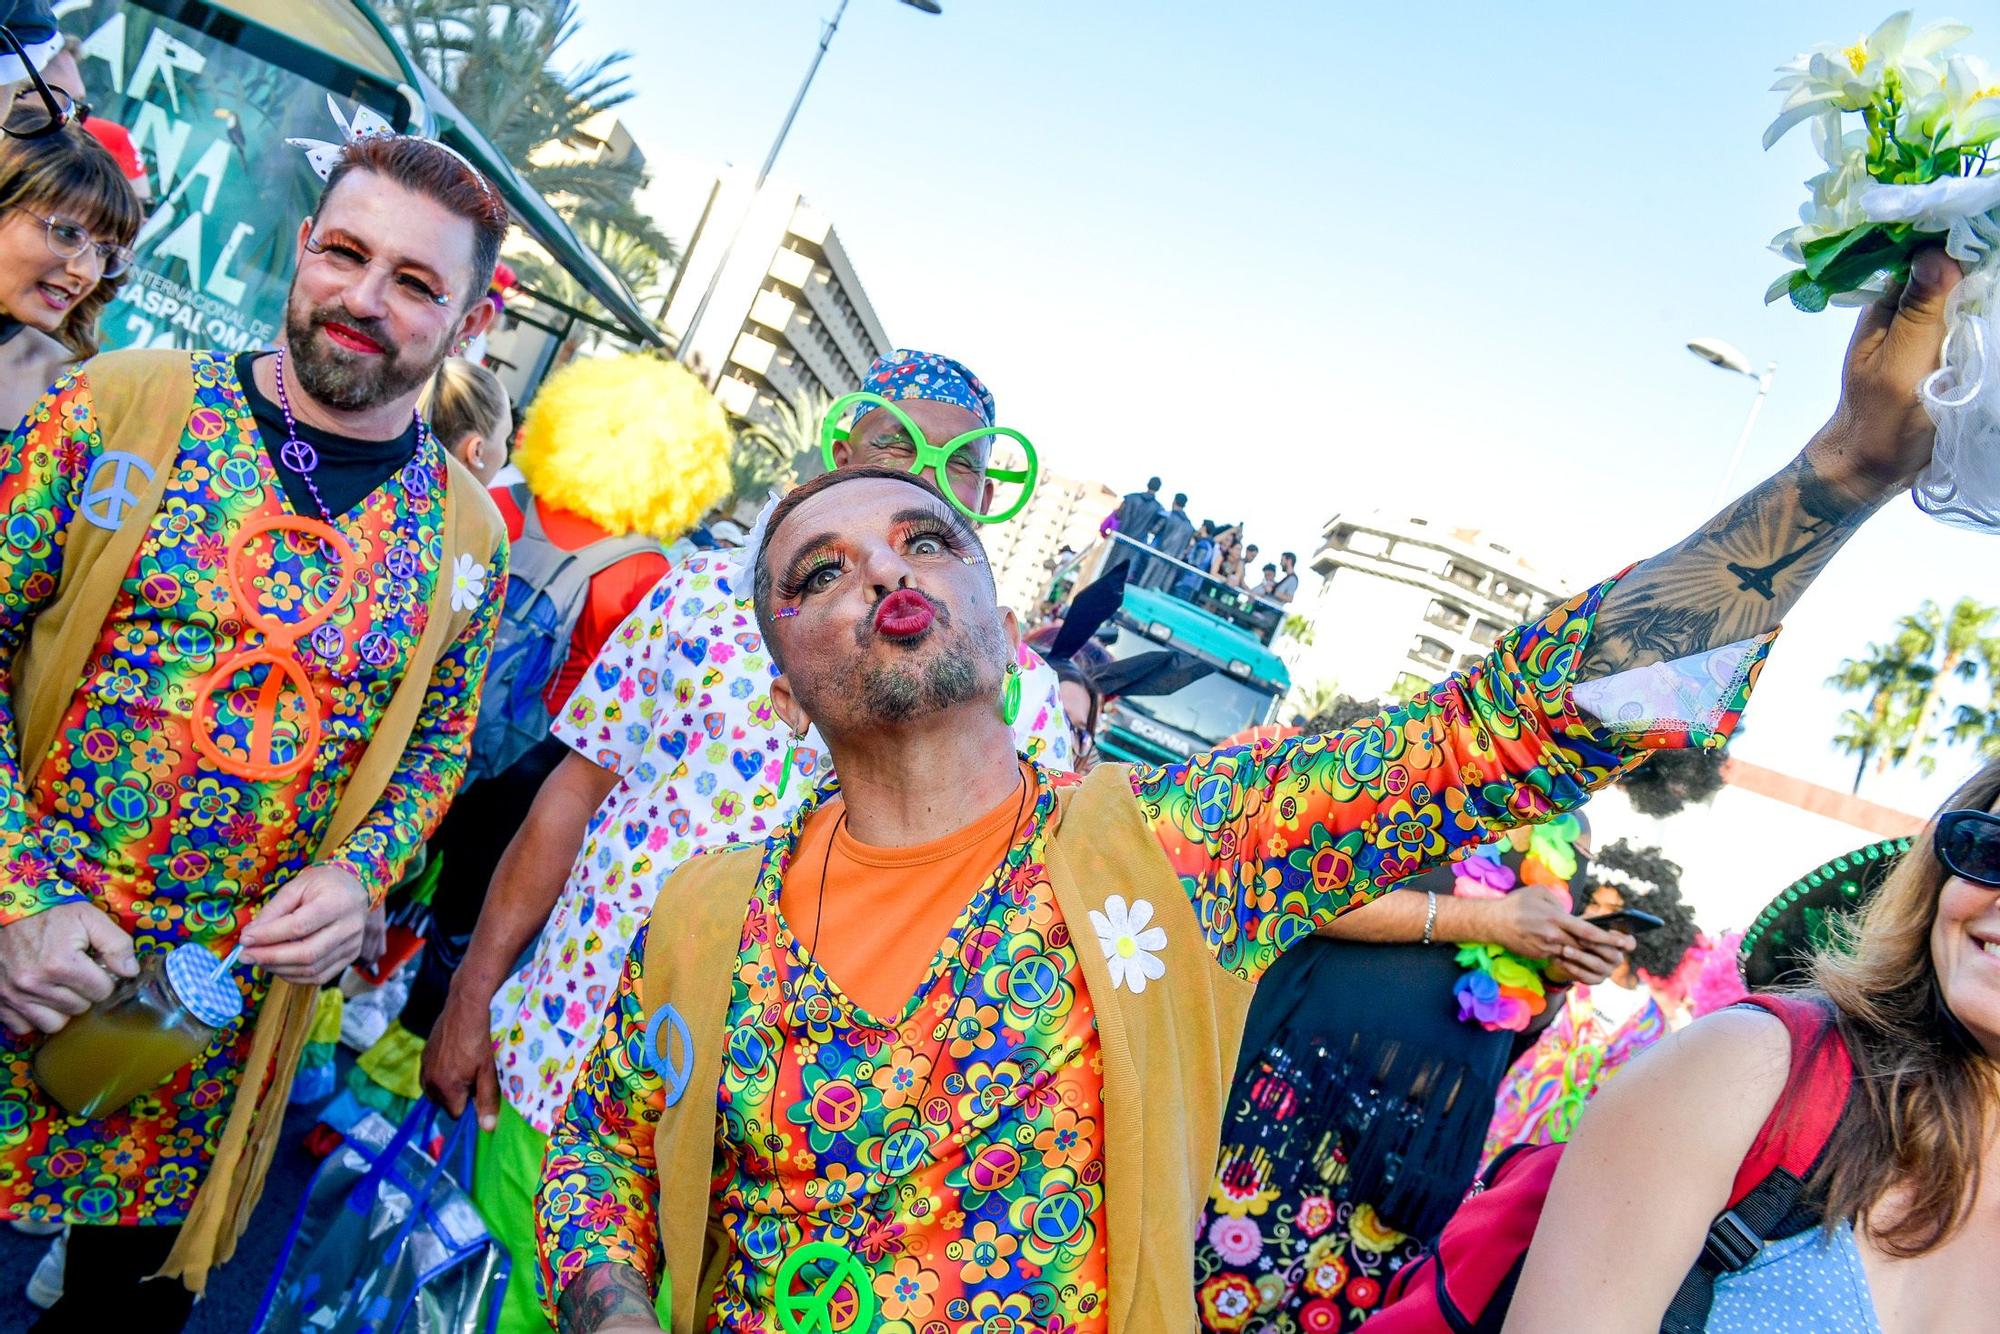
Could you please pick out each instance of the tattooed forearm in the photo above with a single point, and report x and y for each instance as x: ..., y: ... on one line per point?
x: 1734, y: 578
x: 604, y: 1295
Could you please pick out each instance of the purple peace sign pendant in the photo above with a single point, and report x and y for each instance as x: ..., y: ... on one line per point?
x: 401, y: 562
x: 299, y: 456
x: 328, y: 641
x: 377, y: 649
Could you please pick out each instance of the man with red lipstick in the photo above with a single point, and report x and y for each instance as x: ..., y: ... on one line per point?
x: 676, y: 747
x: 248, y: 603
x: 950, y: 1050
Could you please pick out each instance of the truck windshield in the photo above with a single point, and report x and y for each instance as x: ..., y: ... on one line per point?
x: 1209, y: 709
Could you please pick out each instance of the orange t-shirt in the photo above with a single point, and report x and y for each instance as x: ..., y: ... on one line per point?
x: 876, y: 919
x: 614, y: 591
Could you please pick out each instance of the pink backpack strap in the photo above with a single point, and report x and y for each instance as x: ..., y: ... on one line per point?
x: 1767, y: 1200
x: 1822, y: 1073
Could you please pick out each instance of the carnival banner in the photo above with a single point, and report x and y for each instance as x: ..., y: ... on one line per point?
x: 209, y: 121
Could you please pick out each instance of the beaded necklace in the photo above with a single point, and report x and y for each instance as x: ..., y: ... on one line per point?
x: 303, y: 459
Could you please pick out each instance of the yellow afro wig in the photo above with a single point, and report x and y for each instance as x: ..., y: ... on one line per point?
x: 634, y: 443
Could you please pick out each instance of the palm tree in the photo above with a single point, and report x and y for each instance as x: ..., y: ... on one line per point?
x: 1880, y: 731
x: 1904, y: 681
x: 1961, y: 640
x: 496, y: 59
x: 780, y: 451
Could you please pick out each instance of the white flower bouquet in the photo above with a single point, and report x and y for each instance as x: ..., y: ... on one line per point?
x: 1908, y: 134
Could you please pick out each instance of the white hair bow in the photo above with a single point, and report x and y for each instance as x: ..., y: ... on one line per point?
x: 368, y: 123
x: 322, y: 156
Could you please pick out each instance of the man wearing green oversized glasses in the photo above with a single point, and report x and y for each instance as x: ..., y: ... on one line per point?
x: 912, y: 399
x: 673, y: 732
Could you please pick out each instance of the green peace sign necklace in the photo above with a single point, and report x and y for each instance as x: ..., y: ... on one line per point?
x: 820, y: 1307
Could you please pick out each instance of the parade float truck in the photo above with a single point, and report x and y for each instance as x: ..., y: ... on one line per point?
x: 1172, y: 605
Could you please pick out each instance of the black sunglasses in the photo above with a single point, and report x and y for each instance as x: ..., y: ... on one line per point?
x: 1968, y: 843
x: 30, y: 121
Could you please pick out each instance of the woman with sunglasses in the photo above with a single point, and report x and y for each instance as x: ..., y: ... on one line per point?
x: 1903, y: 1213
x: 67, y: 221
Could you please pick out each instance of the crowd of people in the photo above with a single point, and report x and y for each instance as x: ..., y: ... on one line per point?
x: 1210, y: 548
x: 799, y: 964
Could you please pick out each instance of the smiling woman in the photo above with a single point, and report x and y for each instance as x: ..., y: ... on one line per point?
x: 67, y: 221
x: 1895, y: 1226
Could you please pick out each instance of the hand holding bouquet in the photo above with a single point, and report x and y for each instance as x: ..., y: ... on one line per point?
x: 1908, y: 134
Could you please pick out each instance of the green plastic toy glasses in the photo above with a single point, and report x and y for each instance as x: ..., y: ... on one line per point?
x: 924, y: 455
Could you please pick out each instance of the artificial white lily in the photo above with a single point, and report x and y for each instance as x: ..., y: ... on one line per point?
x: 1848, y: 78
x: 1971, y: 103
x: 1834, y: 205
x: 1965, y: 208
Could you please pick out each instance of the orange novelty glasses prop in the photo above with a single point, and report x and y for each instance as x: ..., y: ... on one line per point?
x: 279, y: 654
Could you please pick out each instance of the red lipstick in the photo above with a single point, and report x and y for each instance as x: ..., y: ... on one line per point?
x: 904, y: 614
x: 352, y: 339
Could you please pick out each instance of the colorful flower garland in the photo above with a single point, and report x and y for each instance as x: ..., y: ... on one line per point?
x: 1502, y: 990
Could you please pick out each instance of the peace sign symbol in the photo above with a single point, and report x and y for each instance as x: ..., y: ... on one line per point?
x: 661, y: 1061
x: 108, y: 491
x: 843, y: 1298
x: 274, y: 752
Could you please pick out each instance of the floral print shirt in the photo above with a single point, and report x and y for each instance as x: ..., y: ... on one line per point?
x: 678, y: 705
x: 130, y: 814
x: 978, y: 1203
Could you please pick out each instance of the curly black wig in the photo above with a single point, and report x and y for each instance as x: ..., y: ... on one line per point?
x: 1673, y: 779
x: 1343, y: 713
x: 1647, y: 881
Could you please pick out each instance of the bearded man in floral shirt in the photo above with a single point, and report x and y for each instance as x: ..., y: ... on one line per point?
x: 676, y: 748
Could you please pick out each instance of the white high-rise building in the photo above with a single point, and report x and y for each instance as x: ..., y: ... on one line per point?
x: 1407, y: 600
x: 789, y: 318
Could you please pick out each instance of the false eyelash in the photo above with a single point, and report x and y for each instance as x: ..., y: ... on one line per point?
x: 795, y: 583
x: 937, y: 528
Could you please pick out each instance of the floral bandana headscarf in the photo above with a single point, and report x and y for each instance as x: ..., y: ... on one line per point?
x: 905, y: 374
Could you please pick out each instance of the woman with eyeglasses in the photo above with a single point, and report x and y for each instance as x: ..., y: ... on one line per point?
x: 1900, y: 1215
x: 67, y: 221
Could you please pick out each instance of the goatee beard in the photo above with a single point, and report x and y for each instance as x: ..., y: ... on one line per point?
x: 897, y: 694
x: 346, y: 381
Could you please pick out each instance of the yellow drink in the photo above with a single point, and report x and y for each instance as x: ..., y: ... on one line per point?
x: 139, y: 1035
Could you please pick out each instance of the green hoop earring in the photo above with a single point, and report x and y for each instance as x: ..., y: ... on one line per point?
x: 1010, y: 695
x: 785, y: 770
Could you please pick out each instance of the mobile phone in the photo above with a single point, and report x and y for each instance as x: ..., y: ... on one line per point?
x: 1629, y: 920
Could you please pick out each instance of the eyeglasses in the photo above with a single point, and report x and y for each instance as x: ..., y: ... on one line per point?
x: 1012, y: 486
x: 69, y: 239
x: 48, y: 111
x: 275, y: 748
x: 1968, y: 843
x: 350, y: 260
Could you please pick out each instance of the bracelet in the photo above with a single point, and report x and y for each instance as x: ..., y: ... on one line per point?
x: 1430, y: 914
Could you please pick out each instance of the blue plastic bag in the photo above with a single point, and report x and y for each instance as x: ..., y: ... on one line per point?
x: 387, y: 1240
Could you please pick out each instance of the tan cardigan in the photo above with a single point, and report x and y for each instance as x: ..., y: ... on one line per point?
x: 142, y: 400
x: 1169, y: 1054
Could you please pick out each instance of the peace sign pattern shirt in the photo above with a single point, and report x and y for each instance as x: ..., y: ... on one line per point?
x: 129, y: 815
x: 678, y: 705
x: 999, y: 1222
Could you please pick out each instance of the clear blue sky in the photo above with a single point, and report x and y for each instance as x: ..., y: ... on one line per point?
x: 1299, y: 257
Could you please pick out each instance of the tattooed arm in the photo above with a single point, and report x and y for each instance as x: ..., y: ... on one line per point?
x: 607, y: 1299
x: 1741, y: 572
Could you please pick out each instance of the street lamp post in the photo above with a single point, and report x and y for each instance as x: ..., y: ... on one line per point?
x: 682, y: 352
x: 1724, y: 356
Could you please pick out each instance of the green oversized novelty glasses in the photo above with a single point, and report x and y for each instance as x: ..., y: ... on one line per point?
x: 1012, y: 485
